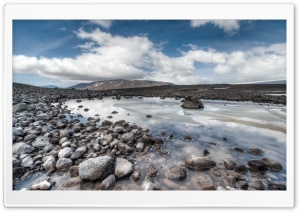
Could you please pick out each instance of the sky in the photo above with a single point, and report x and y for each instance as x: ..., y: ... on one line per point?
x: 68, y: 52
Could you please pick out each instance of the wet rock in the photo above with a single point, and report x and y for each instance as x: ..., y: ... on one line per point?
x: 127, y: 137
x: 123, y: 168
x: 151, y: 171
x: 258, y: 185
x: 272, y: 165
x: 237, y: 149
x: 124, y: 148
x: 50, y: 164
x: 229, y: 164
x: 21, y: 148
x: 136, y: 175
x: 192, y: 103
x: 242, y: 185
x: 148, y: 116
x: 44, y: 185
x: 40, y: 142
x: 177, y: 173
x: 205, y: 152
x: 274, y: 186
x: 97, y: 168
x: 241, y: 169
x: 27, y: 161
x: 187, y: 137
x: 139, y: 147
x: 65, y: 152
x: 64, y: 163
x: 149, y: 185
x: 256, y: 152
x: 106, y: 123
x: 197, y: 163
x: 107, y: 183
x: 216, y: 172
x: 205, y: 182
x: 74, y: 171
x: 257, y: 166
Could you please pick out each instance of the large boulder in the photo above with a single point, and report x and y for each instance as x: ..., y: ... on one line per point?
x: 192, y: 103
x: 21, y: 148
x: 97, y: 168
x: 123, y: 168
x: 40, y: 142
x: 197, y: 163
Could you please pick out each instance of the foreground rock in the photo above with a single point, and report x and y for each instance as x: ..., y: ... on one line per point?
x: 176, y: 173
x: 148, y: 184
x: 21, y: 148
x: 107, y: 184
x: 205, y: 182
x: 197, y: 163
x: 192, y: 103
x: 229, y: 164
x: 123, y: 168
x: 257, y: 166
x: 97, y: 168
x: 272, y: 165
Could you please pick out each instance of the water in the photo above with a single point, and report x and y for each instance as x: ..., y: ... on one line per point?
x: 244, y: 124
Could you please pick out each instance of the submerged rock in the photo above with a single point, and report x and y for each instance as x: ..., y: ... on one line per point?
x: 136, y: 175
x: 272, y: 165
x: 241, y: 169
x: 256, y: 152
x: 229, y: 164
x: 177, y: 173
x: 257, y: 166
x: 205, y: 182
x: 151, y: 171
x: 258, y: 185
x: 148, y: 184
x: 197, y: 163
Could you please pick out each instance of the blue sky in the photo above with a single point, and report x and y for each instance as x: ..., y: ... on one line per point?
x: 68, y: 52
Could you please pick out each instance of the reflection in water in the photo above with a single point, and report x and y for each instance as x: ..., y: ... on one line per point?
x: 244, y: 124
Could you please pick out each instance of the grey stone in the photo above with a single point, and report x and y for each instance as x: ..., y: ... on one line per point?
x: 30, y: 137
x: 127, y: 137
x: 123, y: 168
x: 44, y: 116
x: 205, y: 182
x: 139, y: 147
x: 149, y: 185
x: 40, y: 142
x: 177, y: 173
x: 136, y: 175
x: 229, y: 164
x: 125, y: 149
x: 272, y: 165
x: 65, y: 152
x: 27, y: 162
x: 21, y: 148
x: 192, y: 103
x: 64, y: 163
x: 197, y: 163
x: 108, y: 183
x: 97, y: 168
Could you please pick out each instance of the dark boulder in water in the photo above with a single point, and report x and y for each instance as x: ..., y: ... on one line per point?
x: 272, y: 165
x: 192, y: 103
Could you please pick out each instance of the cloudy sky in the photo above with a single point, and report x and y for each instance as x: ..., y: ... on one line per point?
x: 64, y: 53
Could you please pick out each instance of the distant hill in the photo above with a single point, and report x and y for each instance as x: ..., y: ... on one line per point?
x: 118, y: 84
x: 49, y: 86
x: 265, y: 82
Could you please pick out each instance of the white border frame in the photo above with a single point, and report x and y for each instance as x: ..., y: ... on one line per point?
x: 141, y: 198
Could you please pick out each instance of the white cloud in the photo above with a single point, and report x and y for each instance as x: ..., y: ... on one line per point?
x: 104, y: 23
x: 110, y: 56
x: 228, y: 26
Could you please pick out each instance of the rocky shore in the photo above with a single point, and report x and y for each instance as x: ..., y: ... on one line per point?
x: 100, y: 154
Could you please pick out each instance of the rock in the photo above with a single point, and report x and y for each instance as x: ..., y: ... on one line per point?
x: 205, y: 152
x: 40, y: 142
x: 63, y: 140
x: 205, y: 182
x: 108, y: 138
x: 20, y: 107
x: 242, y: 185
x: 66, y: 144
x: 27, y: 161
x: 78, y: 153
x: 64, y: 133
x: 30, y: 137
x: 44, y: 116
x: 91, y: 128
x: 216, y: 172
x: 65, y: 152
x: 15, y: 162
x: 272, y: 165
x: 92, y: 155
x: 21, y: 148
x: 18, y: 172
x: 148, y: 184
x: 49, y: 147
x: 127, y: 137
x: 124, y: 148
x: 241, y: 169
x: 136, y: 175
x: 197, y: 163
x: 192, y: 103
x: 74, y: 182
x: 139, y: 147
x: 49, y: 165
x: 63, y: 163
x: 187, y: 137
x: 108, y: 183
x: 257, y: 166
x: 44, y: 185
x: 258, y: 185
x: 106, y: 123
x: 229, y: 164
x: 256, y: 152
x: 118, y: 129
x: 237, y: 149
x: 97, y: 168
x: 113, y: 143
x: 123, y: 168
x: 274, y: 186
x: 74, y: 171
x: 148, y: 116
x: 151, y: 171
x: 176, y: 173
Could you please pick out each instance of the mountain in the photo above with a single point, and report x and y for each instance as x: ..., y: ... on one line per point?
x: 118, y: 84
x: 49, y: 86
x: 265, y: 82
